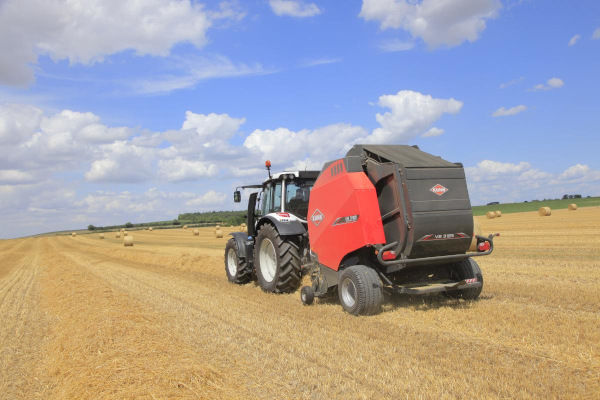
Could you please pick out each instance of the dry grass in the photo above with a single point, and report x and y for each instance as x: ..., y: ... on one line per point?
x: 160, y: 320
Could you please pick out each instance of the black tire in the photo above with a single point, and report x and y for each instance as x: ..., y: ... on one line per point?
x: 466, y: 269
x: 239, y: 273
x: 286, y: 275
x: 307, y: 295
x: 363, y: 285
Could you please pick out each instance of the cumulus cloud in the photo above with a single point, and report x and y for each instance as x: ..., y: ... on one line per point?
x: 179, y: 170
x: 552, y: 83
x: 504, y: 112
x: 69, y: 29
x: 448, y: 23
x: 294, y: 8
x: 210, y: 198
x: 412, y: 113
x: 574, y: 40
x: 122, y: 162
x: 433, y: 132
x: 493, y: 180
x: 511, y: 82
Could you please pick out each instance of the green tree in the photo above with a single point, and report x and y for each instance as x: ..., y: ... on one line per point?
x: 91, y: 228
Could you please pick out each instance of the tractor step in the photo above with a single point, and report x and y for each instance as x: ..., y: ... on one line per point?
x: 438, y: 287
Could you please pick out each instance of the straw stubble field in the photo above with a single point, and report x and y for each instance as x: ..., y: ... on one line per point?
x: 89, y: 318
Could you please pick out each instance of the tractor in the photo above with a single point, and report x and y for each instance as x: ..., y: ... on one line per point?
x: 384, y: 217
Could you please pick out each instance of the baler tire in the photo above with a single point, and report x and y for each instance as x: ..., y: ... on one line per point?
x: 288, y: 271
x: 243, y: 273
x: 466, y: 269
x: 307, y: 295
x: 368, y: 290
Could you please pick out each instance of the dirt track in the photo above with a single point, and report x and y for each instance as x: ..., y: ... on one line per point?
x: 88, y: 318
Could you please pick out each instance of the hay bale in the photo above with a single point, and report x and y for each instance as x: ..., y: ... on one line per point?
x: 476, y: 231
x: 125, y: 233
x: 196, y: 232
x: 185, y: 227
x: 573, y: 207
x: 122, y: 229
x: 545, y: 211
x: 117, y: 235
x: 150, y: 228
x: 490, y: 214
x: 243, y: 225
x: 218, y: 233
x: 498, y: 214
x: 102, y: 236
x: 73, y: 234
x: 128, y: 241
x: 218, y: 226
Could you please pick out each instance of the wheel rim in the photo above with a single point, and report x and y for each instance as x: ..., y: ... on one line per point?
x: 268, y: 260
x: 231, y: 262
x: 349, y: 292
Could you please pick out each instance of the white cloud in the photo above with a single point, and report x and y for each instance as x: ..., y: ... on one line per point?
x: 512, y: 82
x: 438, y: 23
x: 122, y: 162
x: 88, y: 31
x: 395, y: 45
x: 494, y: 181
x: 574, y: 40
x: 13, y: 177
x: 503, y: 112
x: 319, y: 61
x: 552, y: 83
x: 179, y: 170
x: 294, y: 8
x: 187, y: 73
x: 433, y: 132
x: 596, y: 34
x: 412, y: 113
x: 210, y: 198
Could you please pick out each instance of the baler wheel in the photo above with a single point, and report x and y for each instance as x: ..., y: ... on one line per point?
x: 237, y: 270
x: 360, y: 290
x: 277, y: 261
x: 466, y: 269
x: 307, y: 295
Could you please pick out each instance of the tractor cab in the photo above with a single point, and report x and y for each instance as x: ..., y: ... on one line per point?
x: 287, y: 192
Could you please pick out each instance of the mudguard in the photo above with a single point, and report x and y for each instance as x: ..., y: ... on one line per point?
x: 286, y: 226
x: 240, y: 239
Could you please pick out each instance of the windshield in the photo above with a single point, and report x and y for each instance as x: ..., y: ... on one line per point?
x: 296, y: 197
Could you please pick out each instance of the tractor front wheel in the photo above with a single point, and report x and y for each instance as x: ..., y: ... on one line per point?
x: 360, y: 290
x: 277, y: 261
x: 236, y: 268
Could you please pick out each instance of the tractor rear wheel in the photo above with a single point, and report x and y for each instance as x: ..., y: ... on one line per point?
x: 277, y: 261
x: 466, y: 269
x: 237, y: 269
x: 360, y: 290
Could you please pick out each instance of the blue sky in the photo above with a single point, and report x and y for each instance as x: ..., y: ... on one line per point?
x: 115, y: 111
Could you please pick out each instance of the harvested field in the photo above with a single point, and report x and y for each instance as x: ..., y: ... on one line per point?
x: 88, y: 318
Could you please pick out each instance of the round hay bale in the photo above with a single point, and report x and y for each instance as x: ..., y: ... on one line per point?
x: 218, y: 226
x: 122, y: 229
x: 243, y: 225
x: 196, y: 232
x: 117, y: 235
x: 219, y: 233
x: 185, y: 227
x: 490, y: 214
x: 102, y: 236
x: 73, y: 234
x: 125, y: 233
x: 545, y: 211
x: 498, y: 214
x: 573, y: 207
x: 476, y: 231
x: 150, y: 228
x: 128, y: 241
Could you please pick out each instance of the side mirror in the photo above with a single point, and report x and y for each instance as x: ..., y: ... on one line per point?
x: 237, y: 196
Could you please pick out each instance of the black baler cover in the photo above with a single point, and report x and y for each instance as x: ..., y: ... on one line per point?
x: 423, y: 223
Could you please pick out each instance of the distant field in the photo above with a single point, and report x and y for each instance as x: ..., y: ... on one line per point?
x: 534, y: 206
